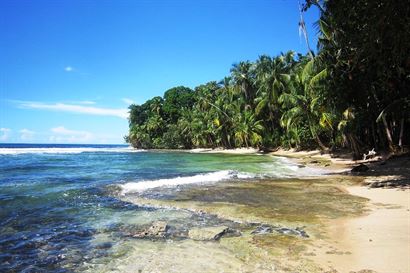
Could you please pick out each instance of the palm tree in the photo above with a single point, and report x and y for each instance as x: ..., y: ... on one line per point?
x: 243, y: 76
x: 272, y: 77
x: 305, y: 103
x: 247, y: 129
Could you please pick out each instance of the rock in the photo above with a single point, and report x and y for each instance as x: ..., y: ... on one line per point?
x: 265, y: 229
x: 295, y: 232
x: 207, y: 233
x: 360, y: 168
x: 232, y: 233
x: 105, y: 245
x: 262, y: 229
x: 156, y: 230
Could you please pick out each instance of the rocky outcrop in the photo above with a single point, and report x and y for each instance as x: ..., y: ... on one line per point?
x: 207, y: 233
x: 156, y: 230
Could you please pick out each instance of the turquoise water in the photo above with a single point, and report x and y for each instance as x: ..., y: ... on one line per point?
x: 57, y: 202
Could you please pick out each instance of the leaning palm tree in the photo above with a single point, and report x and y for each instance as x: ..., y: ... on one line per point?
x: 247, y: 130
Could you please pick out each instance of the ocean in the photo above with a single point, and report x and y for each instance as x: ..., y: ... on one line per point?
x: 61, y: 206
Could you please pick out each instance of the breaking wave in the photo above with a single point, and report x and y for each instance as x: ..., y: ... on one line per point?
x: 172, y: 182
x: 286, y: 169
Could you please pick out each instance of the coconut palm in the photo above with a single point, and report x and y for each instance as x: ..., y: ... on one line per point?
x: 304, y: 103
x: 243, y: 77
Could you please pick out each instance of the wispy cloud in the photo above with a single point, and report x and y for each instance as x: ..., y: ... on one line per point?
x: 64, y: 135
x: 68, y: 69
x: 4, y: 134
x: 26, y: 134
x: 86, y: 102
x: 128, y: 101
x: 74, y: 108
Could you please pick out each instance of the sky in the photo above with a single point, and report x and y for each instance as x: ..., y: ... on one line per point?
x: 70, y: 69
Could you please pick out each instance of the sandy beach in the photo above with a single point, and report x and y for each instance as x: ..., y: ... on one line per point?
x: 379, y: 239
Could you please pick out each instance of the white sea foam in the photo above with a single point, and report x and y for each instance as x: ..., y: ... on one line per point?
x: 285, y: 169
x: 172, y: 182
x: 289, y: 169
x: 17, y: 151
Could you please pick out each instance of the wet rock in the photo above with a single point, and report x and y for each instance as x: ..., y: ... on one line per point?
x: 295, y: 232
x: 231, y: 232
x: 207, y: 233
x: 399, y: 183
x: 265, y: 229
x: 32, y: 269
x: 156, y: 230
x: 360, y: 168
x: 104, y: 245
x: 262, y: 229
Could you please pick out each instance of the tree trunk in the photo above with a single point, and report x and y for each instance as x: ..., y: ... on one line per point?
x: 354, y: 146
x: 401, y: 133
x: 322, y: 146
x: 388, y: 134
x: 315, y: 136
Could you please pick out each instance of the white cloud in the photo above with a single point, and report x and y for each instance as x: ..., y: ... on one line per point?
x: 128, y: 101
x: 26, y: 134
x: 4, y: 134
x: 86, y: 102
x: 68, y: 69
x: 73, y: 108
x: 64, y: 135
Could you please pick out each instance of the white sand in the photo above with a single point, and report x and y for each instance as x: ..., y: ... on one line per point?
x: 378, y: 241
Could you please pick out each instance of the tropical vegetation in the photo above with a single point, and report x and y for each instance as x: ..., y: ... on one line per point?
x: 354, y: 93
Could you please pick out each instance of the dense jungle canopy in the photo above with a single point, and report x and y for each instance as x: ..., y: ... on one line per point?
x: 354, y: 93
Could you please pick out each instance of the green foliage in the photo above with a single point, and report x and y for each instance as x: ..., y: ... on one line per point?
x: 174, y: 100
x: 353, y: 93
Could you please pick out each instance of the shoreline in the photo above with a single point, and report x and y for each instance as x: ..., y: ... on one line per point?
x: 377, y: 240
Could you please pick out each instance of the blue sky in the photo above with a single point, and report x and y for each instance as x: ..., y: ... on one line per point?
x: 71, y: 68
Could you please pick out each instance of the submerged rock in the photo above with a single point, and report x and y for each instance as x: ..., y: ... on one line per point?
x: 104, y: 245
x: 295, y: 232
x: 156, y: 230
x: 207, y: 233
x: 265, y: 229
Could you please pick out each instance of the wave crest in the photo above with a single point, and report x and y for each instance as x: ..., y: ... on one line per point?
x: 172, y: 182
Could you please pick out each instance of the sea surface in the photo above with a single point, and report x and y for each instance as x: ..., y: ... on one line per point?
x: 60, y: 205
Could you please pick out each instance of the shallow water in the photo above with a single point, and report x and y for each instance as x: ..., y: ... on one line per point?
x: 63, y: 206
